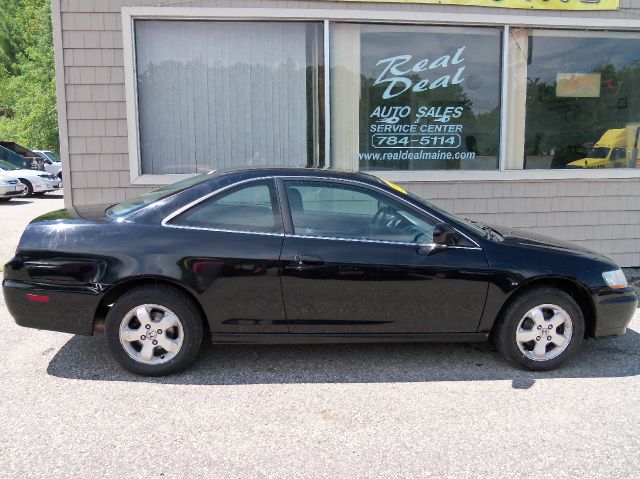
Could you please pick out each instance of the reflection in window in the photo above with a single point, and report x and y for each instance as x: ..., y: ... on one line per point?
x: 246, y: 208
x: 227, y: 94
x: 343, y: 211
x: 415, y: 97
x: 582, y: 101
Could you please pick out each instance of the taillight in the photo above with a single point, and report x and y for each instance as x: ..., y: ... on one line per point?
x: 38, y: 298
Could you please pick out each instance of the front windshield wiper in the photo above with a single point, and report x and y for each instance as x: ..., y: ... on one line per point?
x: 489, y: 232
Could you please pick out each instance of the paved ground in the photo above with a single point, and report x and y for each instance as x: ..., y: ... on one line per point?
x: 16, y: 214
x: 67, y: 410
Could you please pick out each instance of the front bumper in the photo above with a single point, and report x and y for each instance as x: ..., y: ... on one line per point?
x: 42, y: 187
x: 614, y: 310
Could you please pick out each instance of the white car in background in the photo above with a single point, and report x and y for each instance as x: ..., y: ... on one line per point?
x: 52, y: 163
x: 10, y: 188
x: 37, y: 182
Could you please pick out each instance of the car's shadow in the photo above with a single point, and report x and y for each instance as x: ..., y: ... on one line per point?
x: 15, y: 202
x: 50, y: 196
x: 87, y: 358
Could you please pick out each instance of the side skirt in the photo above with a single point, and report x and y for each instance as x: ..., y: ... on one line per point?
x: 243, y: 338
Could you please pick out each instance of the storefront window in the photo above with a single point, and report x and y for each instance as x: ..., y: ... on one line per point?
x: 582, y: 101
x: 415, y: 97
x: 228, y: 94
x: 224, y: 94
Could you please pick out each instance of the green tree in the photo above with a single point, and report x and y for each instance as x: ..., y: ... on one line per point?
x: 9, y: 40
x: 27, y: 76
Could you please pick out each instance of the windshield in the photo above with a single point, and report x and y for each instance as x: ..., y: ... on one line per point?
x: 446, y: 215
x: 138, y: 202
x: 51, y: 155
x: 7, y: 166
x: 598, y: 152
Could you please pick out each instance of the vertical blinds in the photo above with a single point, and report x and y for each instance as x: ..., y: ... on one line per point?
x: 217, y: 95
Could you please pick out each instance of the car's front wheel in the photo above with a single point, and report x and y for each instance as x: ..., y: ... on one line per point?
x: 29, y: 186
x: 153, y: 330
x: 540, y: 329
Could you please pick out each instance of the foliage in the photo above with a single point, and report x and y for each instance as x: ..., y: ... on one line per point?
x: 27, y: 76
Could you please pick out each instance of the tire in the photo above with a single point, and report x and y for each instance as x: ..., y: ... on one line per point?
x: 29, y: 187
x: 137, y: 340
x: 522, y: 333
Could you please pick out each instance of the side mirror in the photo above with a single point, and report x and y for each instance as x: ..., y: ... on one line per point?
x: 445, y: 235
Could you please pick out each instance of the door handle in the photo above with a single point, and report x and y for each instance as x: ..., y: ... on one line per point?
x: 308, y: 260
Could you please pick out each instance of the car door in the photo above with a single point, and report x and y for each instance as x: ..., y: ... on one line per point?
x: 357, y: 260
x: 230, y: 248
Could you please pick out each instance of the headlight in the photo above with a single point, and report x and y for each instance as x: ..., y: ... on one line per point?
x: 615, y: 279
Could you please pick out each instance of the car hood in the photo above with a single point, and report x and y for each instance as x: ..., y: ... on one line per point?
x: 589, y: 162
x: 534, y: 240
x: 25, y: 173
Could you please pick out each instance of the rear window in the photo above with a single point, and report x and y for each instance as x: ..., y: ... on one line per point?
x: 134, y: 204
x: 248, y: 208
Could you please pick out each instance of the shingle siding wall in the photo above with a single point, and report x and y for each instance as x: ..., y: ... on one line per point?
x: 602, y: 214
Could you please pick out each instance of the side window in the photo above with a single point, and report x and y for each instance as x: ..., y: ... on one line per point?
x: 251, y: 208
x: 619, y: 154
x: 338, y: 210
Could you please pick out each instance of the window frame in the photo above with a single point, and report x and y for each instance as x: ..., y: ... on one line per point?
x: 288, y: 218
x: 327, y: 16
x: 273, y: 191
x: 333, y: 183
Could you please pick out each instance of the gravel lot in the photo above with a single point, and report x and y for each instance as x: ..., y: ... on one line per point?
x: 418, y: 410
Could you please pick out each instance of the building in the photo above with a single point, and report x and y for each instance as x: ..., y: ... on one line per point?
x: 519, y: 112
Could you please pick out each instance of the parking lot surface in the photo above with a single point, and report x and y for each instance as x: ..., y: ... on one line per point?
x: 16, y: 214
x: 402, y: 410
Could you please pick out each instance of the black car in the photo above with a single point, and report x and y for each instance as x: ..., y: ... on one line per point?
x: 306, y: 256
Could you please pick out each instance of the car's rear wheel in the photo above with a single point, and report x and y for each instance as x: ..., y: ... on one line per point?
x: 153, y: 330
x: 540, y: 329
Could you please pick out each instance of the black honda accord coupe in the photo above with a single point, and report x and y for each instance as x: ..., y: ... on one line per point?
x: 306, y: 256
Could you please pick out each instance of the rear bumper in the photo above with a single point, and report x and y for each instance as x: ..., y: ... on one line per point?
x: 68, y: 309
x: 614, y: 311
x: 11, y: 191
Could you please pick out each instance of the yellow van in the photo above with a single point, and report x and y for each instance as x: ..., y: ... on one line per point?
x: 610, y: 151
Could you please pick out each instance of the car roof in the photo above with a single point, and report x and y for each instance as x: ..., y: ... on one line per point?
x: 239, y: 174
x: 228, y: 177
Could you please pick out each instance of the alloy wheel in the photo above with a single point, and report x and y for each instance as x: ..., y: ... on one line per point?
x: 151, y: 334
x: 544, y: 332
